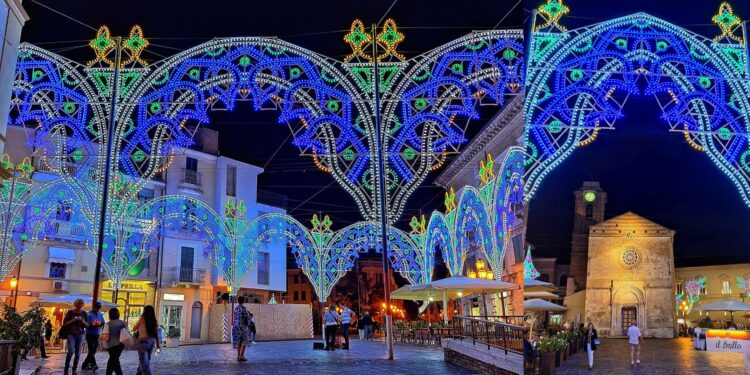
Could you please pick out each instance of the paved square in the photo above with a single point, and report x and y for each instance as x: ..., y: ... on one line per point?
x: 658, y: 356
x: 280, y: 357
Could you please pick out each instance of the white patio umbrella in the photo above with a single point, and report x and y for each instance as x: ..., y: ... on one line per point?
x: 66, y: 301
x: 727, y: 304
x: 536, y: 304
x: 541, y: 294
x: 538, y: 286
x: 467, y: 285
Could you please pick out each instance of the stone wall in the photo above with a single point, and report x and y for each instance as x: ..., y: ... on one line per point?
x: 273, y: 322
x: 482, y: 360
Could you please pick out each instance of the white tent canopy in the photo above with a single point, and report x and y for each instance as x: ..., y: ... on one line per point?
x: 727, y: 304
x: 66, y: 301
x: 537, y: 285
x: 537, y: 304
x: 541, y: 294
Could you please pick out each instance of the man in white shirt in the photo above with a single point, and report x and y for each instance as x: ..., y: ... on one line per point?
x: 635, y: 339
x: 346, y: 321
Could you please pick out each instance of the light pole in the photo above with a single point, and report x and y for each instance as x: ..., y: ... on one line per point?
x: 13, y: 291
x: 381, y: 170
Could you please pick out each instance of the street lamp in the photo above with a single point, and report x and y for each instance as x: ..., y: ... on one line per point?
x: 13, y: 291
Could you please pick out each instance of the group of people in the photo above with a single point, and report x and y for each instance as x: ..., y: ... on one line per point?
x: 243, y: 329
x: 78, y: 322
x: 591, y: 340
x: 333, y: 319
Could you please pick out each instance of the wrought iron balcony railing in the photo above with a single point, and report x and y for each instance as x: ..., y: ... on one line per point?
x: 181, y: 275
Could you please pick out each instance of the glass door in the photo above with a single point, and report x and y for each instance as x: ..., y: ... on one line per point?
x: 171, y: 316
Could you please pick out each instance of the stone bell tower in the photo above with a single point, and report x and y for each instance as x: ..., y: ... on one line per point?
x: 590, y: 201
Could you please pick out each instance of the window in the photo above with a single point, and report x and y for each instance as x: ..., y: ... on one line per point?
x: 296, y: 296
x: 145, y: 195
x: 191, y: 164
x: 589, y: 211
x: 191, y: 171
x: 725, y: 289
x: 563, y: 280
x: 304, y: 295
x: 231, y: 180
x: 57, y: 270
x: 264, y: 268
x: 679, y: 288
x: 296, y: 279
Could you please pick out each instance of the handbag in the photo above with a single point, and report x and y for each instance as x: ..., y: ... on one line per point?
x: 126, y: 338
x: 597, y: 342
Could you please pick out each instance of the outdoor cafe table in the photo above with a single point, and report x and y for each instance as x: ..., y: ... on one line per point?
x: 422, y: 335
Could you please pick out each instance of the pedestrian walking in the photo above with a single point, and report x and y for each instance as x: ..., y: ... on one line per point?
x: 111, y: 338
x: 367, y: 321
x: 48, y: 330
x: 331, y: 318
x: 241, y: 329
x: 361, y: 328
x: 72, y: 329
x: 42, y: 336
x: 368, y: 325
x: 252, y: 328
x: 590, y: 341
x: 96, y: 322
x: 635, y: 339
x: 147, y: 338
x: 346, y: 322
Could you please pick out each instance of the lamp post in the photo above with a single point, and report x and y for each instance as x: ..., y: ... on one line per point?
x: 13, y: 291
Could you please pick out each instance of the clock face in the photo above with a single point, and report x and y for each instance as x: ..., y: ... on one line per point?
x: 589, y: 196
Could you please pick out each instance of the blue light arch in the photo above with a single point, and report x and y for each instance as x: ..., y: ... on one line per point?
x: 578, y: 82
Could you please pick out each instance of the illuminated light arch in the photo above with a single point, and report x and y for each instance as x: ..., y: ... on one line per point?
x: 488, y: 214
x: 578, y: 82
x: 328, y: 104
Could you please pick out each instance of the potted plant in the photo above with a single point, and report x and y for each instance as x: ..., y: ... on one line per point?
x: 547, y: 357
x: 25, y: 329
x: 559, y: 344
x: 173, y: 337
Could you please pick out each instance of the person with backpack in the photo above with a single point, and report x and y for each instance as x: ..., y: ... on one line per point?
x: 111, y: 337
x: 72, y: 329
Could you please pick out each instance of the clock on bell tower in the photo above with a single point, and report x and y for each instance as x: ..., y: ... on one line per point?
x: 590, y: 201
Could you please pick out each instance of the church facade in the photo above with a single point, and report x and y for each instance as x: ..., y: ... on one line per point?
x: 631, y: 277
x: 622, y: 270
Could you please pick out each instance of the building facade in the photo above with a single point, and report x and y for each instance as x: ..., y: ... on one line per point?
x: 503, y: 131
x: 719, y: 282
x: 177, y: 279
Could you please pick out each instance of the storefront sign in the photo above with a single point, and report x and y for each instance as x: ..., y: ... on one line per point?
x: 722, y: 340
x: 138, y: 299
x: 127, y: 285
x: 174, y: 297
x: 105, y: 296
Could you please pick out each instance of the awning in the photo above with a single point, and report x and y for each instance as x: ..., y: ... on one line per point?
x: 61, y: 255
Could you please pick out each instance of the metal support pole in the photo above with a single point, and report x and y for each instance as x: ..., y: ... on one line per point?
x: 111, y: 128
x: 14, y: 296
x: 6, y: 227
x: 381, y: 170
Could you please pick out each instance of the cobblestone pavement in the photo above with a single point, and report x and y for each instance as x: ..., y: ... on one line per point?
x: 658, y: 356
x: 280, y: 357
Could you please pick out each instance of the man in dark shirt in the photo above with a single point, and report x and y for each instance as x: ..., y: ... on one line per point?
x: 367, y: 320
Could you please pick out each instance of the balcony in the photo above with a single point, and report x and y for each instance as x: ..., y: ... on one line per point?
x: 66, y: 230
x: 187, y: 276
x: 190, y: 176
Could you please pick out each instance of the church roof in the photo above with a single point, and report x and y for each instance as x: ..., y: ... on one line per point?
x: 629, y: 222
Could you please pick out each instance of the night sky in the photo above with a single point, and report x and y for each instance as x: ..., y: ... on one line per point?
x: 643, y: 167
x: 254, y: 137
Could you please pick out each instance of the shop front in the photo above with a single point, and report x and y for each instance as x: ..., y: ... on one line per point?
x: 131, y: 298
